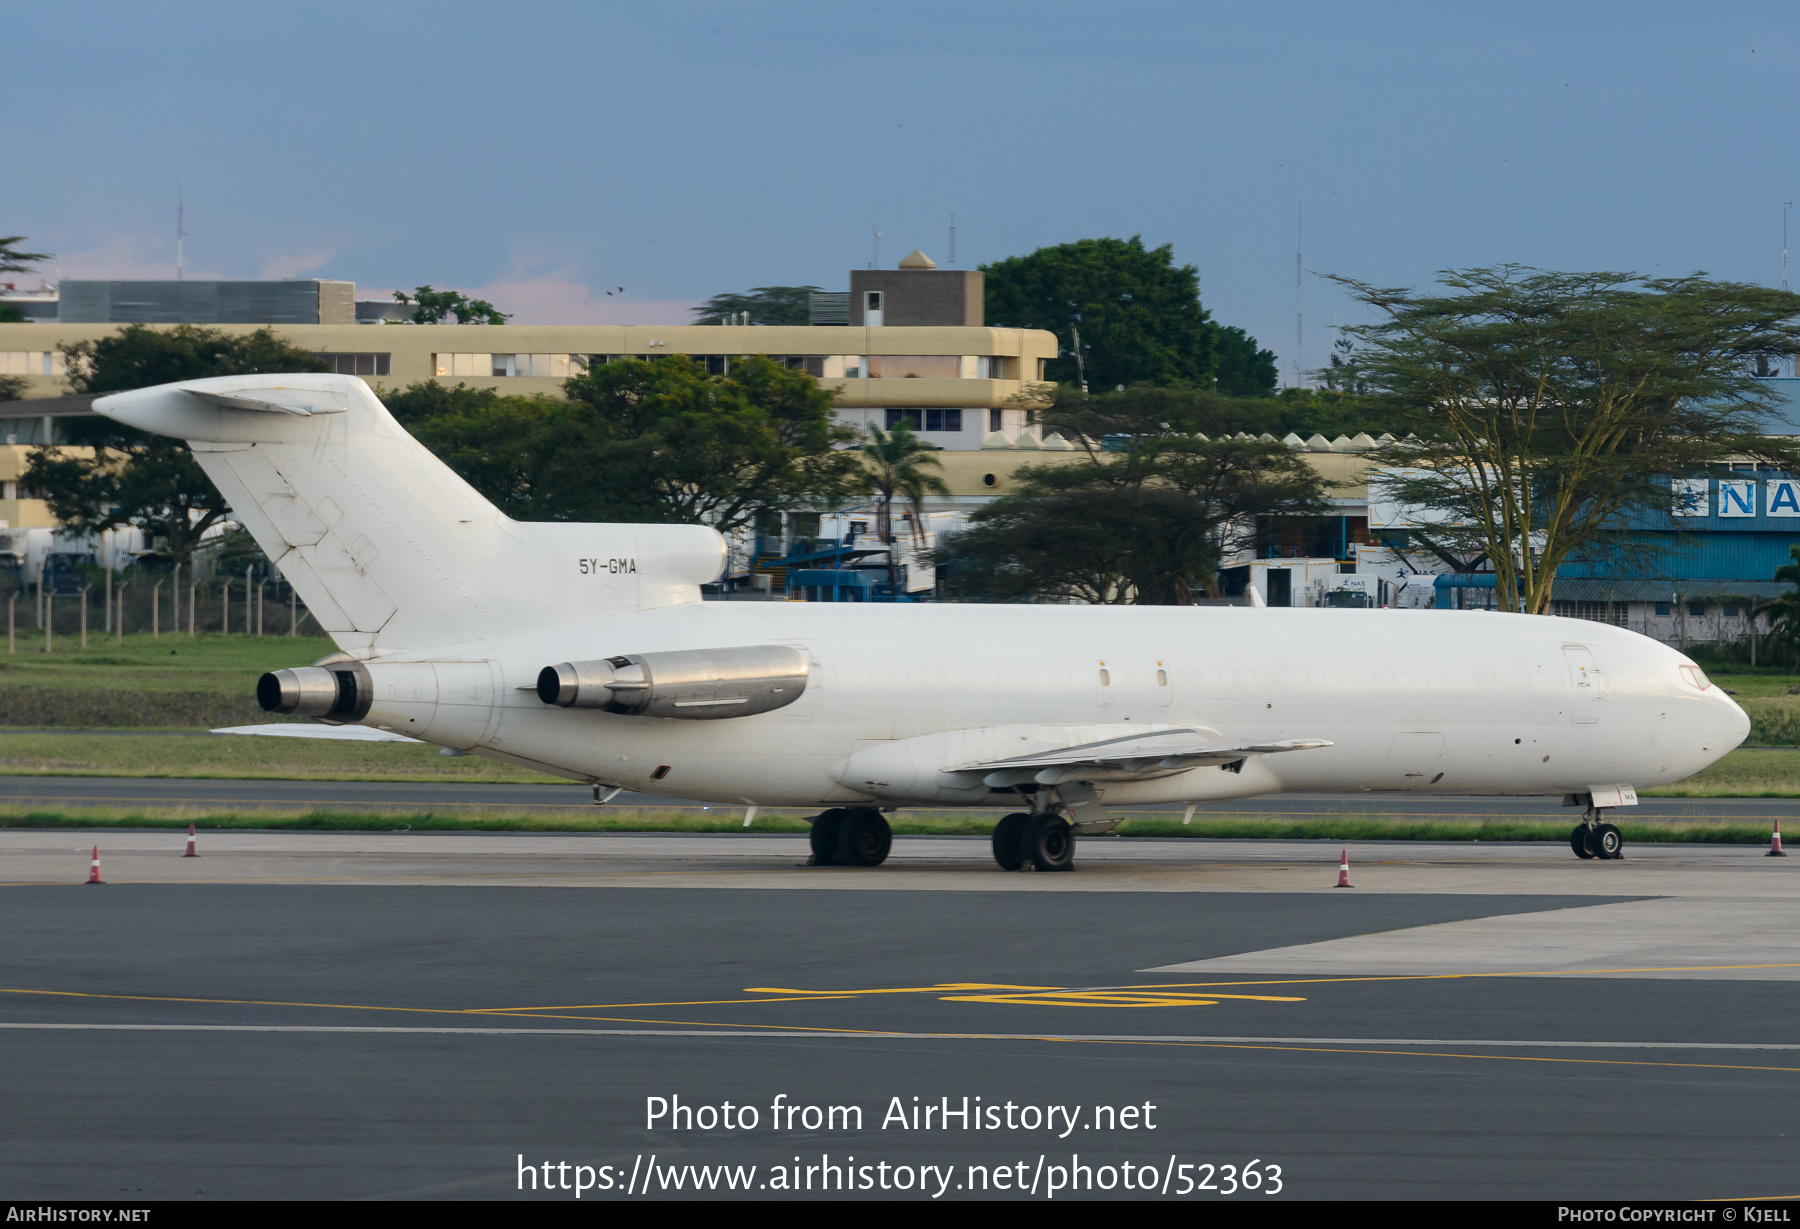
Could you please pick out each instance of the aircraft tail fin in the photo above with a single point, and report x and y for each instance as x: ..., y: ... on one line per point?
x: 387, y: 546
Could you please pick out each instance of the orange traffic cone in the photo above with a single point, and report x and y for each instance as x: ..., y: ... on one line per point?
x: 190, y: 849
x: 94, y: 868
x: 1344, y: 870
x: 1775, y: 841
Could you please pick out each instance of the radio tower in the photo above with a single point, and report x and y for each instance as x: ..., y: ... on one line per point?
x: 180, y: 230
x: 1299, y: 334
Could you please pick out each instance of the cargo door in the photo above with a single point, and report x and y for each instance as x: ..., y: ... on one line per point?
x: 1589, y: 686
x: 1413, y: 760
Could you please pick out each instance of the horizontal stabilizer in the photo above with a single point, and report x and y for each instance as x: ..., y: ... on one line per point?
x: 262, y: 405
x: 305, y: 729
x: 1132, y: 758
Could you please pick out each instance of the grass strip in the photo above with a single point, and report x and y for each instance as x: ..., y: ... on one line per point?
x: 1218, y: 827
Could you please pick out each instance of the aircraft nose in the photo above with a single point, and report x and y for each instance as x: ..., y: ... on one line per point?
x: 1733, y: 721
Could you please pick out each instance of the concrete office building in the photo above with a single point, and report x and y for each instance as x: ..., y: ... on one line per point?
x: 922, y: 355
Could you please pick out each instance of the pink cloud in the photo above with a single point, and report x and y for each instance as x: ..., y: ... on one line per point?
x: 293, y: 266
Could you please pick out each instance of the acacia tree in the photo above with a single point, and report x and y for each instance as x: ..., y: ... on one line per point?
x: 897, y: 463
x: 1552, y: 410
x: 117, y: 475
x: 764, y: 304
x: 1143, y: 512
x: 435, y: 306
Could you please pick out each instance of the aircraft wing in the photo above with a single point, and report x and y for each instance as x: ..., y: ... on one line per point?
x: 1132, y: 758
x: 260, y: 405
x: 306, y: 729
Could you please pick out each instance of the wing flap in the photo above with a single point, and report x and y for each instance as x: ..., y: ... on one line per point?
x: 1132, y: 758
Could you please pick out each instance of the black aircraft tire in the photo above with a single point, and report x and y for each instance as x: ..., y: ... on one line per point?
x: 1009, y: 839
x: 864, y: 838
x: 825, y: 836
x: 1609, y: 843
x: 1050, y: 843
x: 1577, y: 841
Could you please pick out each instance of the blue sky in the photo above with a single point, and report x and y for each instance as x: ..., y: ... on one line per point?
x: 542, y: 154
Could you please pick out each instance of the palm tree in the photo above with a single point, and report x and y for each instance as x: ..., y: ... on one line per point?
x: 1784, y: 611
x: 896, y: 463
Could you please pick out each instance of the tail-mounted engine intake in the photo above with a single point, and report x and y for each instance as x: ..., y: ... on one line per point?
x: 693, y: 684
x: 336, y: 689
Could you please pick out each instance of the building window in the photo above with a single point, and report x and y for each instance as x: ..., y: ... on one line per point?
x: 541, y: 366
x: 1696, y: 609
x: 926, y: 420
x: 355, y: 364
x: 872, y: 308
x: 1596, y: 612
x: 1043, y: 365
x: 31, y: 363
x: 915, y: 366
x: 1662, y: 610
x: 1730, y: 610
x: 996, y: 420
x: 996, y: 367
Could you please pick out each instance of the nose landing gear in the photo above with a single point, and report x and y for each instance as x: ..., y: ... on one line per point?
x: 1594, y: 838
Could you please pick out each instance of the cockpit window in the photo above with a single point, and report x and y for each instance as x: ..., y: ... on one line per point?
x: 1696, y: 676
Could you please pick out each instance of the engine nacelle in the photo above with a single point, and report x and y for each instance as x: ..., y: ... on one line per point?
x: 336, y: 689
x: 692, y: 684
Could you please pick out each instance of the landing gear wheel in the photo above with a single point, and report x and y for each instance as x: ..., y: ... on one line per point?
x: 1009, y: 839
x: 1609, y: 842
x: 1578, y: 841
x: 863, y: 838
x: 825, y: 837
x: 1050, y: 843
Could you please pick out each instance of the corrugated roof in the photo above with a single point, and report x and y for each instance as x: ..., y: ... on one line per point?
x: 1584, y: 589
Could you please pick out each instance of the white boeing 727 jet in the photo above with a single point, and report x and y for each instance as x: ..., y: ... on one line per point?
x: 585, y: 651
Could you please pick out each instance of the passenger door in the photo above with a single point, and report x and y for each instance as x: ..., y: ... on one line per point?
x: 1589, y: 685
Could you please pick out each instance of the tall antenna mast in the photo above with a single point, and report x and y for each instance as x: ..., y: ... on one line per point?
x: 180, y: 229
x: 1785, y: 206
x: 875, y: 250
x: 953, y: 244
x: 1299, y: 334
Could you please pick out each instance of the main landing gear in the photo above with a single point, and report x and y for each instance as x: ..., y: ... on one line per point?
x: 851, y: 836
x: 1594, y: 838
x: 1045, y: 841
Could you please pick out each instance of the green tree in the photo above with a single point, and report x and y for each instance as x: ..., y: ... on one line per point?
x: 434, y: 306
x: 766, y: 305
x: 13, y: 387
x: 646, y: 441
x: 133, y: 478
x: 12, y: 260
x: 1553, y: 409
x: 1138, y: 313
x: 1143, y: 513
x: 1784, y: 611
x: 1242, y: 369
x: 898, y: 465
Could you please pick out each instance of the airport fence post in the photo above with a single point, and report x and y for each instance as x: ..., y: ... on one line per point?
x: 49, y: 617
x: 193, y: 600
x: 119, y: 619
x: 247, y: 602
x: 175, y: 603
x: 109, y: 609
x: 156, y: 611
x: 293, y: 611
x: 84, y: 606
x: 12, y: 610
x: 225, y: 608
